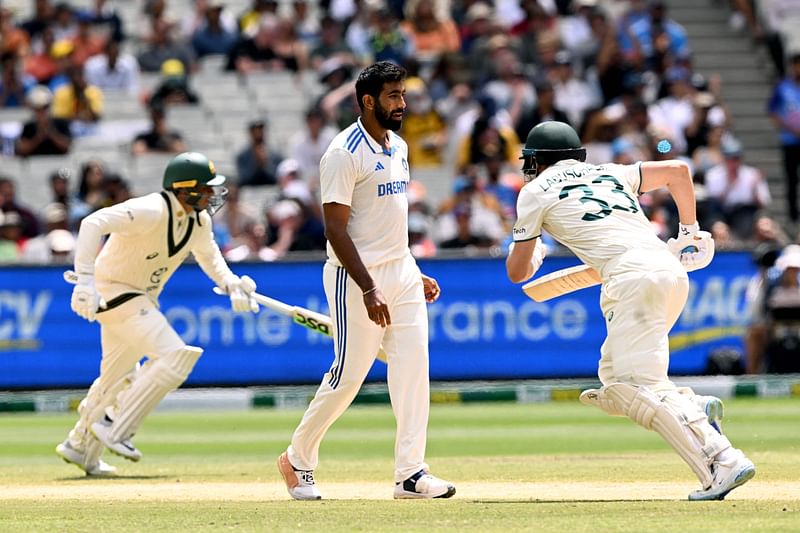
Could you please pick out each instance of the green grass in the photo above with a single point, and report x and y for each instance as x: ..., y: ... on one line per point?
x: 537, y: 447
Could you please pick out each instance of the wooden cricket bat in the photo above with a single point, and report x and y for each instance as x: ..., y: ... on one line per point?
x: 561, y: 282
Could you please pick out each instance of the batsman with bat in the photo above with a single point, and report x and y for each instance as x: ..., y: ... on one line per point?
x: 375, y: 291
x: 594, y: 211
x: 149, y: 237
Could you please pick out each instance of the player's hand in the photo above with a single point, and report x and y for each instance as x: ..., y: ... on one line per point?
x: 694, y: 248
x: 431, y: 287
x: 377, y: 308
x: 85, y: 299
x: 240, y: 291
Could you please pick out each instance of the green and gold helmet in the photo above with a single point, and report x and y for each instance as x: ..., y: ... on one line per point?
x: 189, y: 173
x: 548, y: 143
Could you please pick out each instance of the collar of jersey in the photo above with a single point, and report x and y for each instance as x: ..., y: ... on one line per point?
x: 373, y: 145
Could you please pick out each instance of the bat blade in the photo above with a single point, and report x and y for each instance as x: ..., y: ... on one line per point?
x: 561, y: 282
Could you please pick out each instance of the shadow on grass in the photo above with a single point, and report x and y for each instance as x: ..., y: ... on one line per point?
x: 118, y: 477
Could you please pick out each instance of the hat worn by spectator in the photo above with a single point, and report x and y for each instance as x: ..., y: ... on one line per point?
x: 286, y: 167
x: 61, y: 49
x: 478, y: 11
x: 39, y: 96
x: 173, y: 68
x: 563, y: 57
x: 731, y: 148
x: 61, y: 241
x: 789, y: 258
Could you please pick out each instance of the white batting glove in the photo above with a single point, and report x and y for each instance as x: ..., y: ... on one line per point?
x: 240, y: 290
x: 694, y: 248
x: 85, y: 299
x: 539, y: 253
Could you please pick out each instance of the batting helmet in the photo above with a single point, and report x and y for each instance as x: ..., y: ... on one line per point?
x: 189, y: 173
x: 548, y: 143
x: 189, y: 170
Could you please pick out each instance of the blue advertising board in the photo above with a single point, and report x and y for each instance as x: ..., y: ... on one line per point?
x: 483, y: 327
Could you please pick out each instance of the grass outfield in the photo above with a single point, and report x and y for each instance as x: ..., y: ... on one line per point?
x: 546, y: 467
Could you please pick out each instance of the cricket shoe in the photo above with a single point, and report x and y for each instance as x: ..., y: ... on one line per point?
x: 727, y: 475
x: 713, y: 408
x: 73, y: 456
x: 123, y: 448
x: 299, y: 483
x: 423, y: 485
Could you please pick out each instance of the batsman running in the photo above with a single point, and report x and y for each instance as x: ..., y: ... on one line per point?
x: 375, y: 291
x: 595, y: 212
x: 149, y: 237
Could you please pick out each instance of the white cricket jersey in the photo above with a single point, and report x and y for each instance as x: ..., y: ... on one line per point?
x: 150, y: 236
x: 591, y: 209
x: 357, y: 171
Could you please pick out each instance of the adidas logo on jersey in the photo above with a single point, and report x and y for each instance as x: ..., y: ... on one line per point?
x: 379, y: 166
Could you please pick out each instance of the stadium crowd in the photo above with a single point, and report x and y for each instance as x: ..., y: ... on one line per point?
x: 481, y: 74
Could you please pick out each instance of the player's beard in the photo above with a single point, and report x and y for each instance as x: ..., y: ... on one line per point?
x: 385, y: 119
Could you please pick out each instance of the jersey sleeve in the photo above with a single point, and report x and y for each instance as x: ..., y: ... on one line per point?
x: 630, y: 175
x: 138, y: 215
x: 529, y: 217
x: 208, y: 256
x: 337, y: 177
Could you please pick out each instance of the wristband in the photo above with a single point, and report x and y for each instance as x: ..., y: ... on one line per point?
x: 368, y: 291
x: 688, y: 230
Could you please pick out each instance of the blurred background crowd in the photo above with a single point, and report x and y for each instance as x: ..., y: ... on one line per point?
x: 96, y: 96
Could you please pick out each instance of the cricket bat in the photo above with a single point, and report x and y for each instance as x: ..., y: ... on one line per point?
x: 561, y: 282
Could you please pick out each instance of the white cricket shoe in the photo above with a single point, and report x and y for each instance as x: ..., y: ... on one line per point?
x: 728, y: 475
x: 713, y: 408
x: 299, y: 483
x: 423, y: 485
x: 123, y: 448
x: 73, y: 456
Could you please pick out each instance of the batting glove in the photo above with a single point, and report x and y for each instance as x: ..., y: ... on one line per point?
x: 694, y: 248
x: 240, y: 290
x: 85, y: 299
x: 539, y: 253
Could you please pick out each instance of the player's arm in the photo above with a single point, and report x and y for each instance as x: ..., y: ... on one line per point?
x: 676, y: 177
x: 336, y: 216
x: 524, y: 259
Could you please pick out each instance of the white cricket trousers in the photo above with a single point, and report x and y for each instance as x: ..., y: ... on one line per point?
x: 356, y: 343
x: 128, y: 333
x: 641, y: 302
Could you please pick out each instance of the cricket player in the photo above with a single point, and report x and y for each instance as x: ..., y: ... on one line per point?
x: 594, y: 211
x: 375, y: 291
x: 149, y: 238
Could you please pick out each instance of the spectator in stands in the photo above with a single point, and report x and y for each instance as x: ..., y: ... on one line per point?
x: 465, y: 236
x: 339, y: 100
x: 504, y: 186
x: 709, y: 154
x: 77, y: 101
x: 232, y: 222
x: 259, y: 53
x: 424, y: 130
x: 117, y: 189
x: 87, y: 41
x: 62, y: 54
x: 44, y: 135
x: 257, y: 164
x: 28, y: 222
x: 65, y: 27
x: 102, y: 14
x: 61, y: 195
x: 755, y: 338
x: 488, y: 136
x: 91, y: 190
x: 40, y: 249
x: 387, y: 41
x: 652, y: 39
x: 15, y: 41
x: 290, y: 50
x: 545, y: 109
x: 174, y: 86
x: 782, y: 309
x: 331, y: 44
x: 738, y: 189
x: 307, y: 146
x: 9, y: 237
x: 160, y: 138
x: 573, y: 95
x: 163, y: 46
x: 40, y: 63
x: 14, y: 84
x: 289, y: 229
x: 483, y: 211
x: 191, y: 24
x: 306, y: 25
x: 675, y: 111
x: 42, y: 18
x: 431, y: 29
x: 113, y: 70
x: 779, y: 24
x: 419, y: 238
x: 784, y: 110
x: 213, y: 37
x: 508, y: 85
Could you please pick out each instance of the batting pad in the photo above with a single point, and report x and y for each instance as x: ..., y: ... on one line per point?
x: 156, y: 381
x: 561, y: 282
x: 678, y: 422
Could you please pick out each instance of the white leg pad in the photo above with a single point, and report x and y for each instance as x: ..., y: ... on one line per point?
x: 598, y: 398
x: 678, y: 422
x: 156, y: 381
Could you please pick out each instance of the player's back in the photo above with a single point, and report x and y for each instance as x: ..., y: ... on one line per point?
x: 594, y: 210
